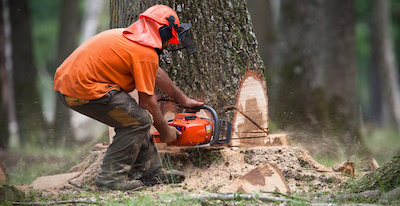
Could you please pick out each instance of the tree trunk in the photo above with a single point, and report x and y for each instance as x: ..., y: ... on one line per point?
x: 91, y: 19
x: 30, y: 118
x: 316, y: 72
x: 226, y: 47
x: 265, y: 15
x: 3, y: 89
x: 67, y: 40
x: 383, y: 59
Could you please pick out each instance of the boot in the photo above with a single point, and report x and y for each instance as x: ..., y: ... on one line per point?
x: 161, y: 176
x: 119, y: 185
x: 113, y: 176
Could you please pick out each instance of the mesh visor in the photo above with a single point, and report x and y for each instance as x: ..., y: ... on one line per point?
x: 185, y: 39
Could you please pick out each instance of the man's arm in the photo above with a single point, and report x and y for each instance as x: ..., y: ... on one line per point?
x: 167, y: 133
x: 166, y: 85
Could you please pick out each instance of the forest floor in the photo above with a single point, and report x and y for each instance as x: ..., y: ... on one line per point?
x: 207, y: 172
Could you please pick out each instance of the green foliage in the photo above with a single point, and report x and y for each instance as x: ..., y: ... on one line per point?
x: 45, y: 24
x: 385, y: 178
x: 33, y: 161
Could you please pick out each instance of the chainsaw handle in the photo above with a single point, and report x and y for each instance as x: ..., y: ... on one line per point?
x: 217, y: 125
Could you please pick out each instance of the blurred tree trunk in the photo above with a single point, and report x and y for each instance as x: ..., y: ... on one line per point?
x: 4, y: 86
x: 226, y: 46
x: 383, y: 60
x: 265, y: 15
x: 91, y: 19
x: 29, y: 113
x: 67, y: 41
x: 316, y: 74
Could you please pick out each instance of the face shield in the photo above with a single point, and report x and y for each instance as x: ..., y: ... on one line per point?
x: 185, y: 39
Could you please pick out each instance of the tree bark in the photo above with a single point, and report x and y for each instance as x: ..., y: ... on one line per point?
x: 383, y: 60
x: 226, y: 47
x: 67, y: 40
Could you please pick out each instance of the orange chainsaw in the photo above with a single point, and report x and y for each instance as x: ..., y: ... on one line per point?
x: 197, y: 131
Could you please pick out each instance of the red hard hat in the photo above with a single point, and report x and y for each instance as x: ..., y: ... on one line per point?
x: 160, y: 13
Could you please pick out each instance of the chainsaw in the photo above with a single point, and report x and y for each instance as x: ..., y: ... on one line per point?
x: 197, y: 131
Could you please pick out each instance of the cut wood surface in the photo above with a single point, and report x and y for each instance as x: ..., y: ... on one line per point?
x: 266, y: 177
x: 53, y: 181
x: 250, y: 121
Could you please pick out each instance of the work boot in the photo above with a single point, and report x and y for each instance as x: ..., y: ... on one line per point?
x: 119, y: 185
x: 163, y: 177
x: 113, y: 176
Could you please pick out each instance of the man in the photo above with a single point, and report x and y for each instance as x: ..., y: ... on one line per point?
x: 95, y: 80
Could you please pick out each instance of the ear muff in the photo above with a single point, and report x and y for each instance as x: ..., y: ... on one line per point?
x: 166, y: 30
x: 165, y: 33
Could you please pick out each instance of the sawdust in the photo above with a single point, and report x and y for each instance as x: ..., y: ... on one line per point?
x: 208, y: 170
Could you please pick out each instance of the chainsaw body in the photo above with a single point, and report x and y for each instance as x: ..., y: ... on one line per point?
x: 198, y: 131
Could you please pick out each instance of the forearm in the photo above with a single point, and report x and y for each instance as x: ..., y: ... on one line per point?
x: 166, y: 85
x: 150, y: 104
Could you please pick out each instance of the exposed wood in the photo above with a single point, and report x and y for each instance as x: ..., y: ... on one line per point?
x: 277, y: 140
x: 369, y: 164
x: 266, y: 177
x: 345, y: 167
x: 52, y: 181
x: 250, y: 120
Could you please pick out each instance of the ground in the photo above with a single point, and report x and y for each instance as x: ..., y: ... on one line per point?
x: 207, y: 171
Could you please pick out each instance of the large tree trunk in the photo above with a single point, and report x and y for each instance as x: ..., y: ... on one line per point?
x: 316, y: 73
x: 67, y: 41
x: 226, y: 47
x: 383, y: 60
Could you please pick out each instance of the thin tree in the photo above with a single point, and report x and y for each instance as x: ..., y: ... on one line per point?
x: 67, y: 41
x: 384, y: 61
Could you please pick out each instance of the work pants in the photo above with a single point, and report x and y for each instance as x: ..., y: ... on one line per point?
x: 132, y: 151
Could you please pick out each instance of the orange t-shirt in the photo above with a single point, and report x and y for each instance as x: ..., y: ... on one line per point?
x: 105, y: 62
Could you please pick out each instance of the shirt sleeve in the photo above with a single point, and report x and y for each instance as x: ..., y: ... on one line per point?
x: 144, y: 74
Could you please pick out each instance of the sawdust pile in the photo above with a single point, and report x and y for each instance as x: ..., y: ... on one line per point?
x: 208, y: 170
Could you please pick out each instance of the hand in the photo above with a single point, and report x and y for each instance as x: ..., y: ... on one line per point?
x: 188, y: 102
x: 170, y: 135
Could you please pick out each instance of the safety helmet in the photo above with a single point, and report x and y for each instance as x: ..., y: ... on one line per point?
x: 157, y: 24
x: 167, y: 17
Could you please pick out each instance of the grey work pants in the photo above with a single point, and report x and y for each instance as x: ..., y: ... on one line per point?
x: 132, y: 151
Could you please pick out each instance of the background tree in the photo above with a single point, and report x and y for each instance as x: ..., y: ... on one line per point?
x: 384, y: 65
x: 29, y: 113
x: 313, y: 70
x: 226, y: 46
x: 3, y: 80
x: 67, y: 41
